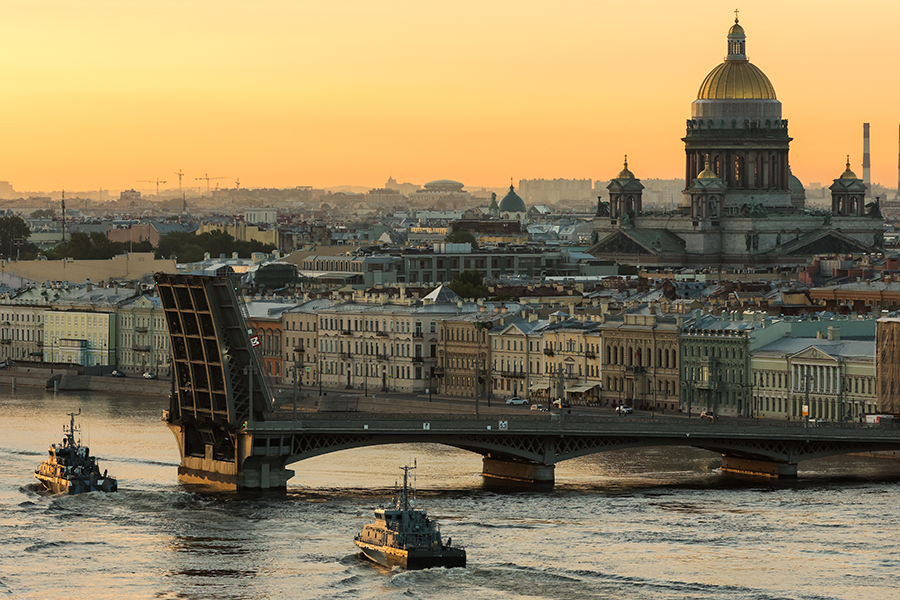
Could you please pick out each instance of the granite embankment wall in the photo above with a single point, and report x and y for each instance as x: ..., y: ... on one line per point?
x: 25, y: 375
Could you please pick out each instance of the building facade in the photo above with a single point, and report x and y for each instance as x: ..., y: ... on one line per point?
x: 641, y: 355
x: 143, y: 339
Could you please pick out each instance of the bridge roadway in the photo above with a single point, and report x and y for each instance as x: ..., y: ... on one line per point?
x: 526, y: 446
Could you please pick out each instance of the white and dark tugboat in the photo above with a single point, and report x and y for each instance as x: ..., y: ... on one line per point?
x: 404, y: 536
x: 70, y: 469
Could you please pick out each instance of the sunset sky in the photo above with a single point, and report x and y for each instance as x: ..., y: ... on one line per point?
x: 103, y: 94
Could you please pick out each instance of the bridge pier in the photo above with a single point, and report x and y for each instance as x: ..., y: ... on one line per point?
x: 757, y: 467
x: 263, y: 473
x: 517, y: 471
x: 239, y: 471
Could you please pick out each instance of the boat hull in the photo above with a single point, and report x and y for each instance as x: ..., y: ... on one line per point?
x: 413, y: 559
x: 71, y: 487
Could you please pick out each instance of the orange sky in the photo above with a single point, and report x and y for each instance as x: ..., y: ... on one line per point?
x: 103, y: 94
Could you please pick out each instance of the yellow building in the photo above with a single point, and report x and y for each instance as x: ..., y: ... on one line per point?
x: 79, y: 337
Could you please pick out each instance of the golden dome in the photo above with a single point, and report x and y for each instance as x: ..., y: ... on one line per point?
x: 707, y: 173
x: 736, y: 80
x: 848, y: 174
x: 625, y: 173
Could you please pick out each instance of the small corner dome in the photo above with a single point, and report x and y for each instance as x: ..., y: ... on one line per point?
x: 512, y: 202
x: 625, y: 173
x: 848, y: 174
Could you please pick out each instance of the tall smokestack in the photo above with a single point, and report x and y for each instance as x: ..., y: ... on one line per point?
x: 867, y: 171
x: 898, y: 178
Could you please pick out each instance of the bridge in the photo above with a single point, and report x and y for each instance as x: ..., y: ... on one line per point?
x: 230, y: 432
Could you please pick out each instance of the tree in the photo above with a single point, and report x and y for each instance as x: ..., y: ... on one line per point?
x: 14, y: 229
x: 188, y: 247
x: 469, y: 284
x: 43, y: 213
x: 94, y: 246
x: 461, y: 237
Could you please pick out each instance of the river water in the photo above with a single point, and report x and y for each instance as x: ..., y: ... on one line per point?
x: 638, y: 524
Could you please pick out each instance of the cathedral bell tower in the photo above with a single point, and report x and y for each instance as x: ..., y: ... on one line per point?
x: 625, y: 197
x: 706, y: 196
x: 848, y: 194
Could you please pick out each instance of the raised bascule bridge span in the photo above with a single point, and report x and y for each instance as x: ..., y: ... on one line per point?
x: 229, y: 432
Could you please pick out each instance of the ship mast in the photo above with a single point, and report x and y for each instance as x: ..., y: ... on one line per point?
x: 72, y: 430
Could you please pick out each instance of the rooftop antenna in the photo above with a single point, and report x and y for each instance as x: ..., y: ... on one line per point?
x: 64, y: 216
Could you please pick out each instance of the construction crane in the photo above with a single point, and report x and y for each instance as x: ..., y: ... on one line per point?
x: 237, y: 184
x: 207, y: 178
x: 157, y: 182
x: 180, y: 175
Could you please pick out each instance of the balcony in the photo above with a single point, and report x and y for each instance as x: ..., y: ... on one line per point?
x: 346, y: 332
x: 381, y: 333
x: 513, y: 374
x: 346, y: 356
x: 590, y: 355
x: 418, y: 359
x: 439, y: 371
x: 634, y: 370
x: 6, y: 341
x: 382, y: 357
x: 549, y: 352
x: 138, y: 348
x: 299, y: 349
x: 418, y: 335
x: 142, y: 329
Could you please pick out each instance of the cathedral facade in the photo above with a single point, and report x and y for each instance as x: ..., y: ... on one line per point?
x: 741, y: 207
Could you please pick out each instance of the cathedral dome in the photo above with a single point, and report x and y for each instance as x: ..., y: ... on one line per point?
x: 736, y: 78
x: 512, y: 202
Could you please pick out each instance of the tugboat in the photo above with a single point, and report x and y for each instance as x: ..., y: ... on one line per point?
x: 71, y: 469
x: 404, y: 536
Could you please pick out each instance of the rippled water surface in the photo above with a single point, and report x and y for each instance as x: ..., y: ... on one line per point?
x: 640, y: 524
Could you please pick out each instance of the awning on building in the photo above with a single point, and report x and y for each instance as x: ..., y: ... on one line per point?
x: 539, y: 386
x: 581, y: 388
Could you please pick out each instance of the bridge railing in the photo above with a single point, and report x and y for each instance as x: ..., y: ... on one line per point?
x: 553, y: 423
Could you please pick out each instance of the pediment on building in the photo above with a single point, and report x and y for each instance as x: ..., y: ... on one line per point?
x: 825, y: 242
x: 812, y: 353
x: 619, y: 243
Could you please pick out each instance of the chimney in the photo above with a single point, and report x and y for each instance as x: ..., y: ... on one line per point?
x: 867, y: 171
x: 88, y: 286
x: 834, y: 333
